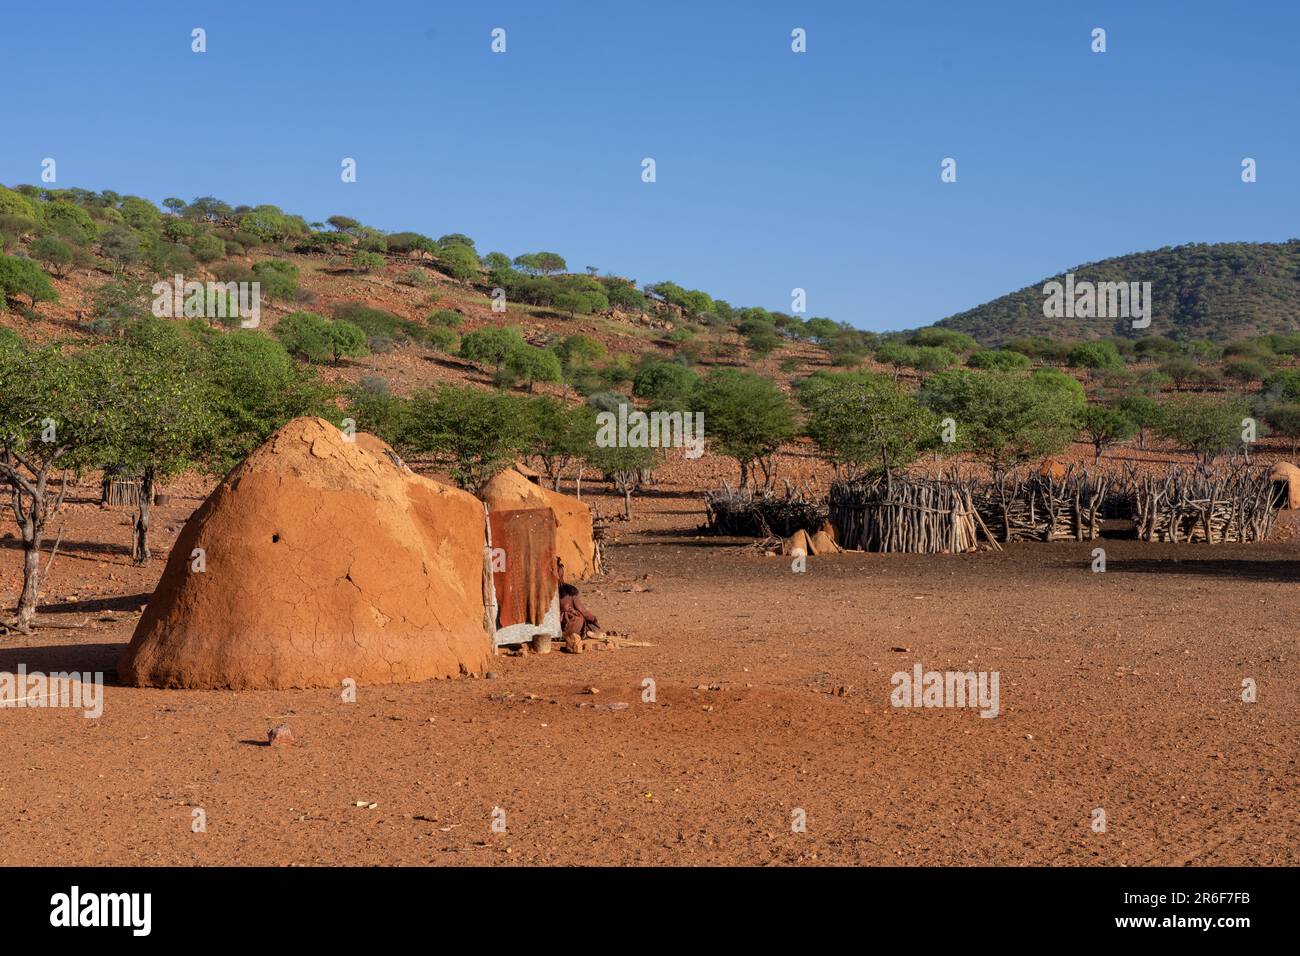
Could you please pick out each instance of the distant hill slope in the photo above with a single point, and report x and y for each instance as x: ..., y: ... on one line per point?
x: 1219, y: 291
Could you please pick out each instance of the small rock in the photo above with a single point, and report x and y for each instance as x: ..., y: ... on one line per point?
x: 491, y: 675
x: 618, y: 706
x: 280, y: 736
x: 593, y: 690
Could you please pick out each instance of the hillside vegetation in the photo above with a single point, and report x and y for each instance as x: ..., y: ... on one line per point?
x: 1220, y: 292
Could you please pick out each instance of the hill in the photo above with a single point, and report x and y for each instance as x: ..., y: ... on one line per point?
x: 1219, y: 292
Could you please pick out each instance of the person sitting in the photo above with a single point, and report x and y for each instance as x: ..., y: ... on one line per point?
x: 575, y: 619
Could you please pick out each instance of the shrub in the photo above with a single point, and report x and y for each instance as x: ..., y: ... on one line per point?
x: 446, y: 318
x: 305, y: 335
x: 529, y: 364
x: 999, y: 360
x: 1095, y: 355
x: 490, y: 344
x: 382, y: 324
x: 71, y: 221
x: 415, y: 277
x: 278, y: 278
x: 24, y: 277
x: 1208, y: 425
x: 460, y: 261
x: 208, y: 248
x: 53, y: 252
x: 367, y: 261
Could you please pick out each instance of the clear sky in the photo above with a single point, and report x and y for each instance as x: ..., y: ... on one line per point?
x: 775, y: 170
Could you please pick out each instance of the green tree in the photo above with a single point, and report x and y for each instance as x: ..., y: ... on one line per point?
x: 472, y: 432
x: 305, y: 335
x: 950, y: 339
x: 364, y: 261
x: 51, y: 419
x: 459, y: 261
x: 1006, y: 417
x: 24, y: 277
x: 562, y: 435
x: 864, y: 422
x: 1097, y: 355
x: 1144, y: 411
x: 529, y: 364
x: 54, y: 253
x: 254, y: 387
x: 71, y: 221
x: 623, y: 466
x: 1104, y: 427
x: 667, y: 386
x: 278, y: 279
x: 346, y: 339
x: 490, y: 344
x: 1284, y: 419
x: 1207, y: 425
x: 158, y: 421
x: 898, y: 355
x: 746, y: 417
x: 376, y: 410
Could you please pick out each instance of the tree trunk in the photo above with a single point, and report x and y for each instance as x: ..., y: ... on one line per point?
x: 627, y: 503
x: 140, y: 553
x: 744, y: 474
x: 31, y: 574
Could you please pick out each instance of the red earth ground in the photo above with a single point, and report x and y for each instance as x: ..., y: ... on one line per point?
x: 1119, y: 691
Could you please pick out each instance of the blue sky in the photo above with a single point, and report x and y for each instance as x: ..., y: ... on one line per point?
x: 775, y: 170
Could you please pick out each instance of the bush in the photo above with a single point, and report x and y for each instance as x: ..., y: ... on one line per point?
x: 666, y: 385
x: 208, y: 248
x: 53, y: 252
x: 999, y: 360
x: 416, y: 278
x: 367, y: 261
x: 460, y: 261
x: 529, y: 364
x: 490, y: 344
x: 278, y: 278
x: 1095, y: 355
x: 1245, y: 370
x: 71, y: 221
x: 949, y: 339
x: 377, y: 323
x: 24, y: 277
x: 446, y: 319
x: 305, y: 335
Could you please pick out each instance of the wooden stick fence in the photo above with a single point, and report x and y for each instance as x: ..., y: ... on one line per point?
x: 899, y: 513
x: 744, y: 511
x: 1194, y: 505
x: 1039, y: 507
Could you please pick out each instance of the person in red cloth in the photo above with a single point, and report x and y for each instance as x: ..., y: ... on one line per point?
x: 575, y: 619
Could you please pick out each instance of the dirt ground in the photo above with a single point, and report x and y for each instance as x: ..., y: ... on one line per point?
x: 1119, y: 691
